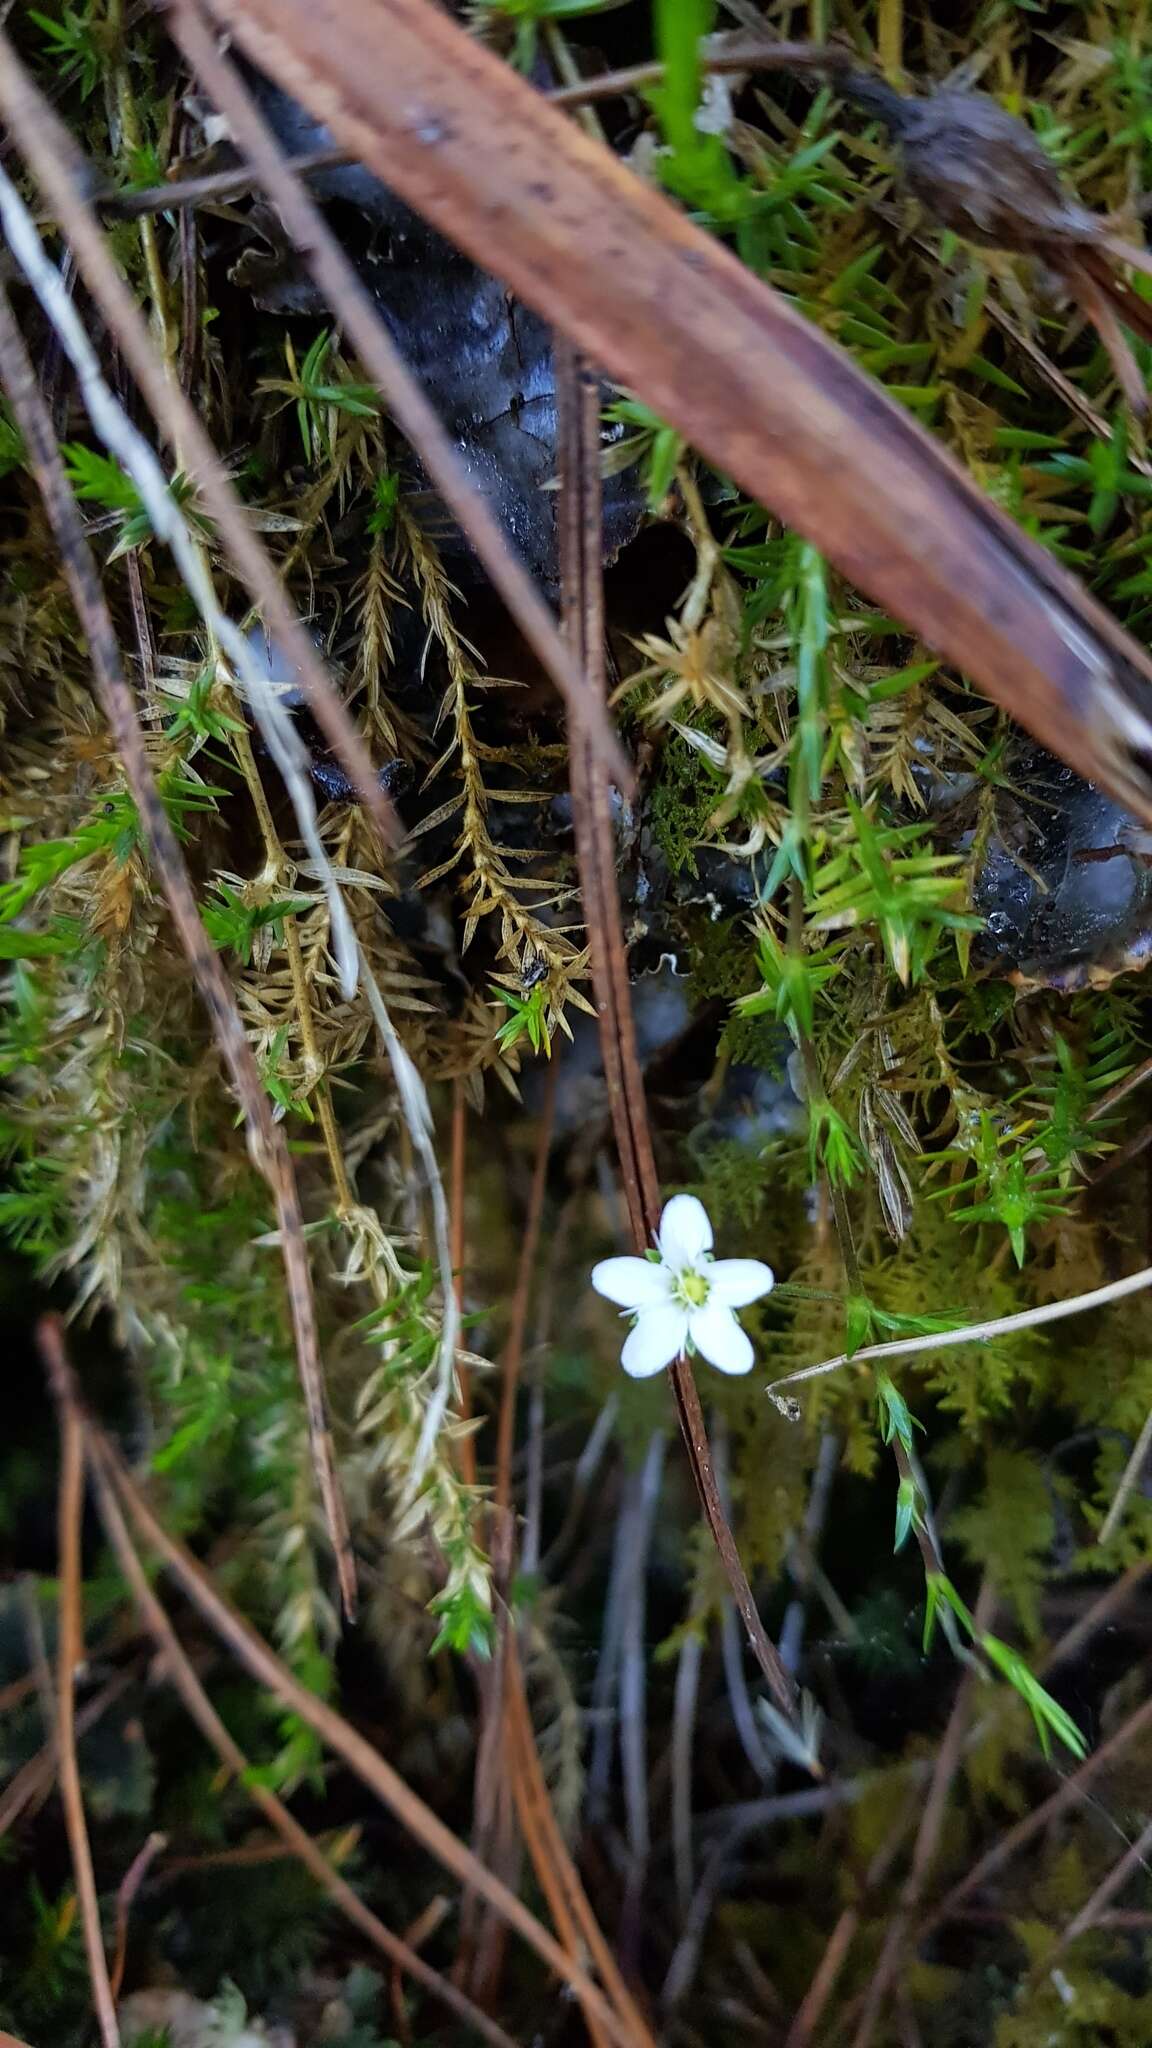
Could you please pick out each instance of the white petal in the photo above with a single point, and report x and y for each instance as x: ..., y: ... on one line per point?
x: 718, y: 1338
x: 736, y: 1282
x: 659, y: 1337
x: 685, y: 1232
x: 631, y: 1283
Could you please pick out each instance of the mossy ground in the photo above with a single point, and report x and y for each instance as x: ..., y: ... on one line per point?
x: 791, y: 849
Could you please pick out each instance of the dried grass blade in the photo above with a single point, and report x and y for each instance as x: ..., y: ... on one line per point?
x: 65, y: 178
x: 298, y: 1841
x: 70, y: 1656
x: 265, y: 1139
x: 255, y: 1655
x: 671, y: 314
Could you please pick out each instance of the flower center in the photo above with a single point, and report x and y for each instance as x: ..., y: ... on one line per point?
x: 693, y: 1288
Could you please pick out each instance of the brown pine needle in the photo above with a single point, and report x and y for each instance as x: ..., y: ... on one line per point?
x: 297, y: 1840
x: 262, y: 1663
x: 70, y: 1656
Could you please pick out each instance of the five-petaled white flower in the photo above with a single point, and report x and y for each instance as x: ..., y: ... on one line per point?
x: 684, y: 1300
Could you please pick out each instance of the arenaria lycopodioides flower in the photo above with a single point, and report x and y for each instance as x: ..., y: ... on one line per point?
x: 683, y: 1300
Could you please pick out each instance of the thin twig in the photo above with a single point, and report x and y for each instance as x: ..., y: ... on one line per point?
x: 339, y: 281
x: 255, y: 1655
x: 844, y: 1933
x: 1135, y: 1857
x: 684, y: 1703
x: 587, y: 1466
x: 34, y: 1779
x: 633, y: 1716
x: 969, y: 1333
x: 210, y: 185
x: 847, y: 1926
x: 928, y: 1833
x: 69, y: 1657
x: 1129, y: 1477
x: 532, y: 1790
x: 583, y: 602
x: 1066, y: 1794
x: 724, y: 55
x: 64, y: 178
x: 298, y: 1842
x: 129, y: 1885
x: 265, y: 1138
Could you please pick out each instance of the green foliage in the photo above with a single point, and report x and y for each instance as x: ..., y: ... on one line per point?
x: 1048, y: 1716
x: 656, y: 447
x: 385, y: 498
x: 896, y: 1419
x: 528, y: 1019
x: 1008, y: 1531
x: 1007, y: 1188
x: 791, y: 981
x: 696, y: 165
x: 682, y: 802
x: 51, y: 1983
x: 530, y: 15
x: 72, y: 46
x: 98, y: 479
x: 879, y: 876
x: 832, y: 1151
x: 12, y: 451
x: 826, y: 787
x: 232, y: 923
x: 320, y: 393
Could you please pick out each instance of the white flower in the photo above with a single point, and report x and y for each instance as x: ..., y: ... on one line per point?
x: 684, y: 1300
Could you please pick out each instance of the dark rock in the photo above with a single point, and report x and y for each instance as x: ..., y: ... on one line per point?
x: 485, y: 360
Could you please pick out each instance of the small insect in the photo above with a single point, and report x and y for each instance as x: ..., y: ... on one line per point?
x: 534, y: 971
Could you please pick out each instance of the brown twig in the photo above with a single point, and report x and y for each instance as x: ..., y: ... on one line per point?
x: 64, y: 178
x: 336, y: 276
x: 255, y: 1655
x: 297, y: 1840
x: 532, y: 1798
x: 19, y: 1689
x: 1135, y: 1857
x: 34, y: 1779
x: 734, y: 56
x: 928, y: 1833
x: 725, y: 54
x: 582, y: 585
x: 847, y: 1926
x: 69, y: 1657
x: 129, y: 1885
x: 210, y: 185
x: 266, y: 1139
x: 1066, y: 1794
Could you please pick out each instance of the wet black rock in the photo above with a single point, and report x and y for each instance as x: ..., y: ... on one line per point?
x: 484, y: 359
x: 1065, y: 887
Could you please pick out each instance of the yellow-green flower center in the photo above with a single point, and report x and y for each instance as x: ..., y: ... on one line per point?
x: 693, y: 1289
